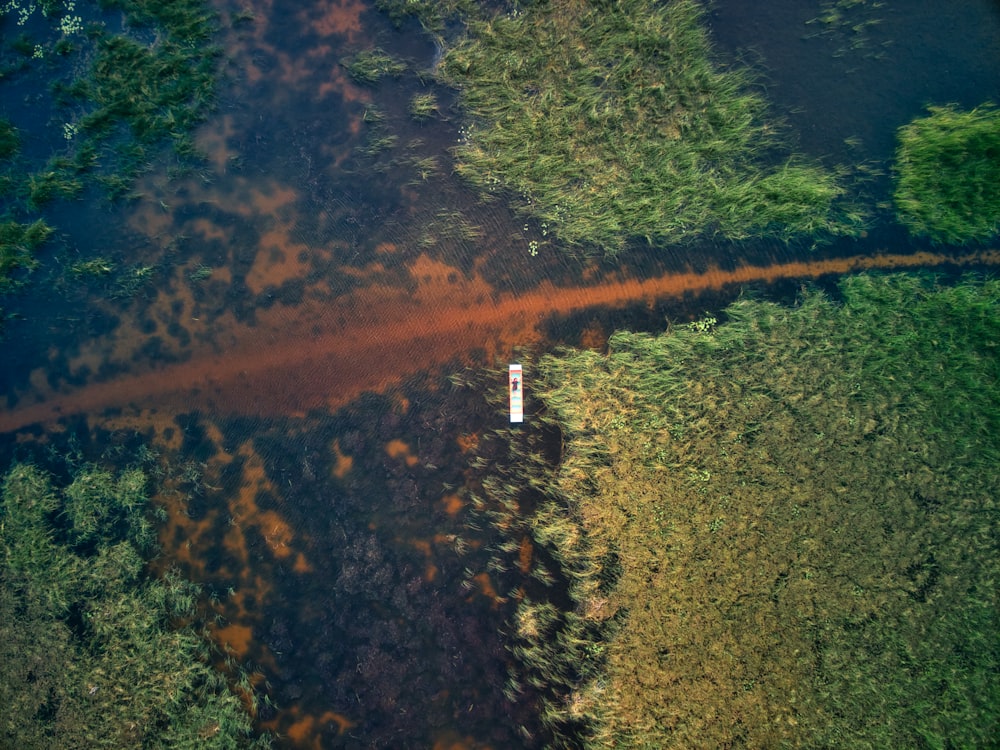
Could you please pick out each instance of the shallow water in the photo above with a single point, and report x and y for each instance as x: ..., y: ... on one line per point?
x: 299, y: 391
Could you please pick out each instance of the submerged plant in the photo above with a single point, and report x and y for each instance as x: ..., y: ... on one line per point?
x: 423, y: 106
x: 948, y: 174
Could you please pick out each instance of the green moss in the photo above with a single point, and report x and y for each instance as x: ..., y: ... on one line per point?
x: 948, y: 175
x: 611, y: 121
x: 777, y: 530
x: 89, y: 654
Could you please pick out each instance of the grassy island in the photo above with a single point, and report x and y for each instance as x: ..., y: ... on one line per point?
x: 611, y: 121
x: 948, y: 175
x: 777, y: 531
x: 93, y: 652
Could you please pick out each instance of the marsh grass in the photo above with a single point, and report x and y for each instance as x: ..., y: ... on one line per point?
x: 371, y: 66
x: 611, y: 121
x: 948, y: 174
x: 91, y: 653
x: 423, y: 107
x: 775, y: 531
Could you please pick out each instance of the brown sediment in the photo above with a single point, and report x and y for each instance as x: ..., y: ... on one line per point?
x: 220, y: 533
x: 524, y: 555
x: 400, y: 449
x: 452, y: 504
x: 451, y: 740
x: 305, y: 730
x: 487, y: 588
x: 279, y: 368
x: 344, y: 463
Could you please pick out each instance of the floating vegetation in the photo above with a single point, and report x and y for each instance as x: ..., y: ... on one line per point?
x: 610, y: 121
x: 778, y: 530
x: 948, y: 174
x: 370, y: 66
x: 90, y: 651
x: 849, y: 23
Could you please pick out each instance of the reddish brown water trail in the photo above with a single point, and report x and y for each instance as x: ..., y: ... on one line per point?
x: 394, y: 334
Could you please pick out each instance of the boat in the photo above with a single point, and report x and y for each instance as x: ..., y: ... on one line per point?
x: 515, y: 387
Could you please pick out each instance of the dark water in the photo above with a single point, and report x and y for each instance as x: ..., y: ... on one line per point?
x: 297, y: 389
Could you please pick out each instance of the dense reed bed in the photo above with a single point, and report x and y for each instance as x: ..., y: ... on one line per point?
x: 611, y: 121
x: 775, y: 531
x: 948, y: 175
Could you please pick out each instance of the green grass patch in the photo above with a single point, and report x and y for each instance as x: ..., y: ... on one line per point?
x: 778, y: 530
x: 423, y: 107
x: 371, y: 66
x: 948, y: 175
x: 611, y: 120
x: 90, y: 651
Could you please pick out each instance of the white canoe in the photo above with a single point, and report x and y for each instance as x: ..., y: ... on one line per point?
x: 515, y: 386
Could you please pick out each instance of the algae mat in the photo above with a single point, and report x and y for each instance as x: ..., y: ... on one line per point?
x: 791, y: 520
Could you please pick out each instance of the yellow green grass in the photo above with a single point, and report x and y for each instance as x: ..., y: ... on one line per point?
x: 948, y: 174
x: 611, y: 121
x: 778, y: 531
x: 91, y: 652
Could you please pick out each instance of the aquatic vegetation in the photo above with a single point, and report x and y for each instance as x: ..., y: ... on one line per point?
x: 849, y: 23
x: 91, y: 654
x: 200, y: 273
x: 611, y: 121
x: 433, y: 14
x: 10, y: 140
x: 948, y: 174
x: 44, y: 186
x: 132, y: 280
x: 18, y: 243
x: 93, y: 268
x: 370, y: 66
x: 423, y: 106
x: 775, y: 530
x: 117, y: 96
